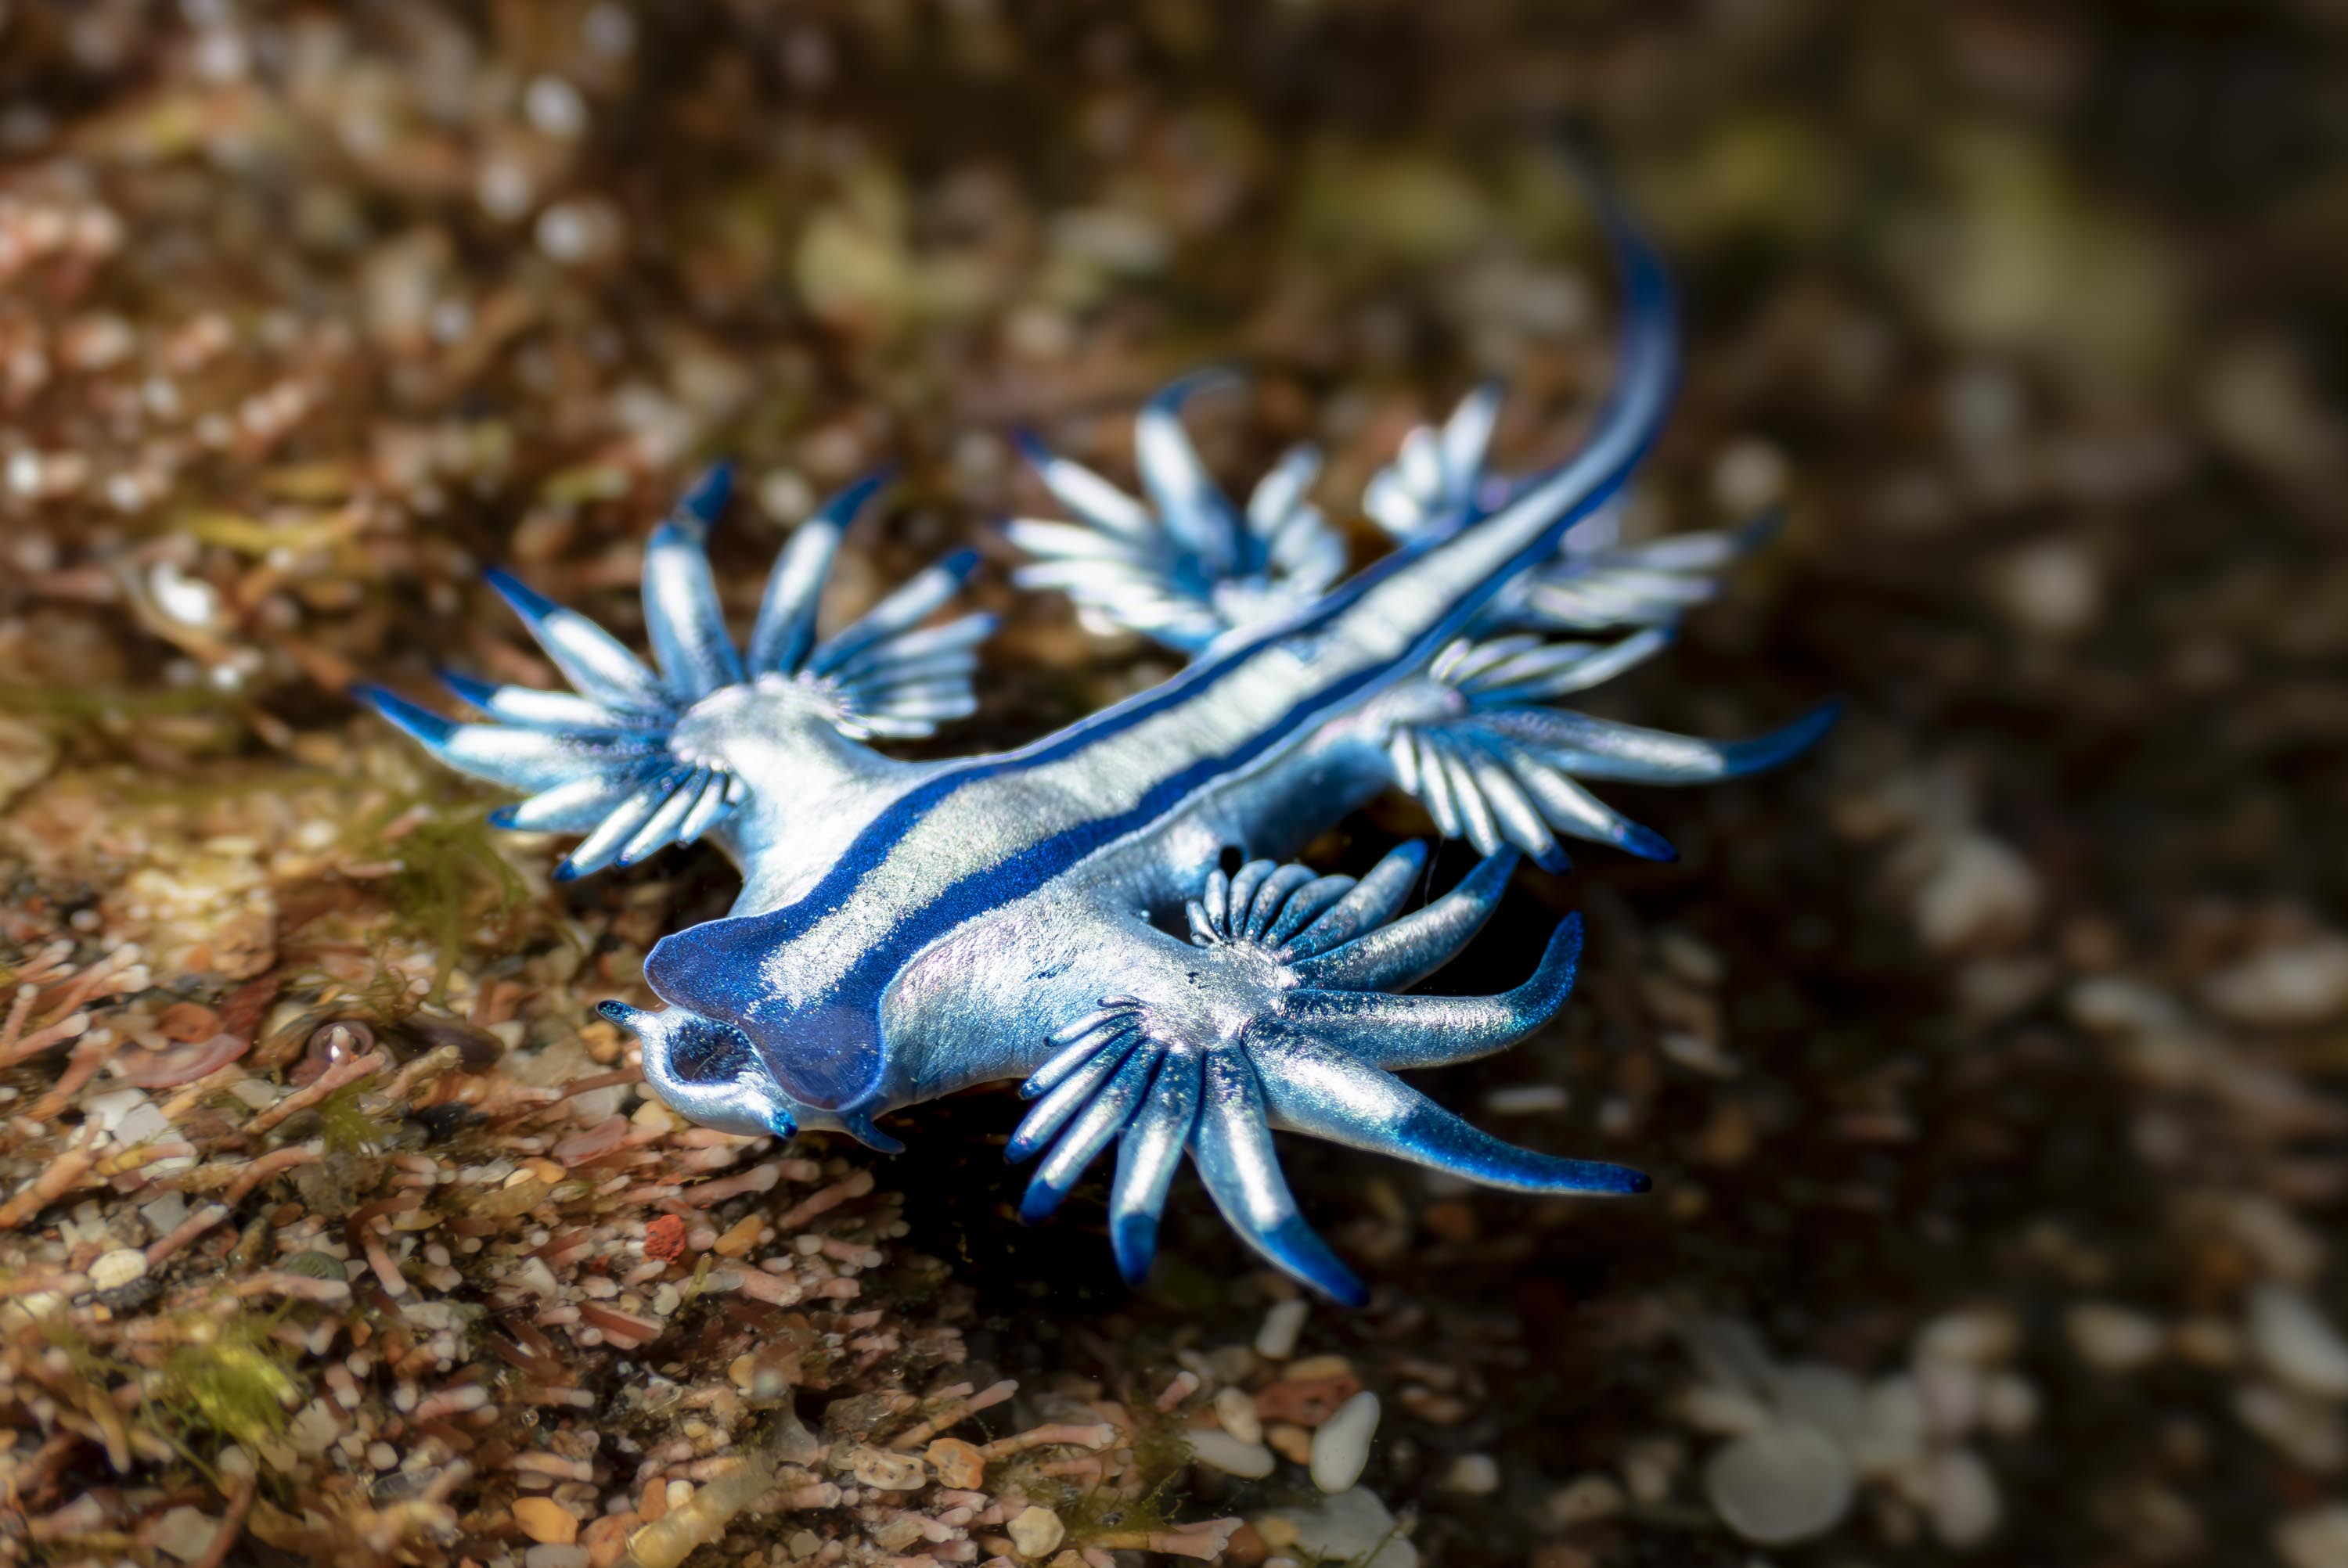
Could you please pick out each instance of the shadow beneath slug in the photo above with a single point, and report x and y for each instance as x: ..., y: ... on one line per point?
x: 961, y: 1200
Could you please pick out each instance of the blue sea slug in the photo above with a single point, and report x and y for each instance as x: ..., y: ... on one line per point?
x: 1064, y: 915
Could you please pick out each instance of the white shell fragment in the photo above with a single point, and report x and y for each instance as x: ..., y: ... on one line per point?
x: 1786, y: 1485
x: 1341, y: 1447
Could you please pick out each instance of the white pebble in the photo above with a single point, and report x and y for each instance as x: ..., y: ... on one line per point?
x: 1965, y: 1509
x: 1341, y: 1447
x: 1473, y: 1475
x: 2307, y: 1431
x: 1276, y: 1339
x: 1650, y: 1468
x: 2295, y: 1342
x: 2298, y: 983
x: 1980, y: 1334
x: 190, y: 600
x: 1776, y: 1486
x: 1981, y: 893
x: 2009, y: 1404
x: 1235, y: 1409
x: 785, y: 496
x: 1723, y: 1412
x: 2315, y: 1539
x: 2112, y: 1339
x: 556, y: 108
x: 1750, y: 475
x: 2109, y: 1004
x: 2053, y: 589
x: 1248, y: 1461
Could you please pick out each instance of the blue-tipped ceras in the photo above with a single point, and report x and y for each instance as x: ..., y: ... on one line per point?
x: 1061, y: 913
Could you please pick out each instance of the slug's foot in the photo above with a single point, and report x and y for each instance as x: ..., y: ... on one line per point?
x: 617, y: 760
x: 1306, y: 1039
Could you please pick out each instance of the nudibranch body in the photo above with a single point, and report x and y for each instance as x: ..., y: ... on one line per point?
x: 1065, y: 915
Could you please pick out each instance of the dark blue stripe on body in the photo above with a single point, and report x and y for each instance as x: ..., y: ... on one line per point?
x: 986, y: 887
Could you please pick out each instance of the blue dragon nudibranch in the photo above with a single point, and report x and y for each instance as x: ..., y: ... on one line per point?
x: 1061, y: 913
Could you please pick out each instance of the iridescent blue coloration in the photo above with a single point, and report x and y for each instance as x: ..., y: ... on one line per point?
x: 1060, y: 914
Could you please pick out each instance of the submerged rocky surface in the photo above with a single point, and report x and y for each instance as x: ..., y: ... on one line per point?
x: 1989, y: 1061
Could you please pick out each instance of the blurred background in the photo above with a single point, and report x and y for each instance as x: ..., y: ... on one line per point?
x: 1988, y: 1060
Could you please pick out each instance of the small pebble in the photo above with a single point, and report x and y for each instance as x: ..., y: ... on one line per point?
x: 2293, y: 1341
x: 2315, y: 1539
x: 1981, y: 893
x: 2009, y: 1404
x: 1650, y: 1469
x: 1473, y: 1475
x: 556, y: 1555
x: 1036, y: 1531
x: 1723, y: 1412
x: 887, y: 1471
x: 544, y: 1520
x: 1341, y: 1447
x: 556, y: 108
x: 1276, y: 1339
x: 1526, y: 1099
x: 1232, y: 1456
x: 113, y: 1270
x: 2053, y: 589
x: 1965, y: 1508
x: 186, y: 1534
x: 2286, y: 985
x: 2310, y: 1432
x: 2112, y: 1339
x: 1318, y: 1368
x: 1976, y: 1335
x: 958, y: 1464
x: 1776, y: 1486
x: 1290, y: 1442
